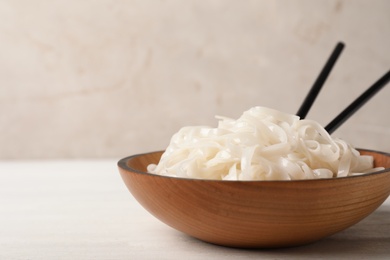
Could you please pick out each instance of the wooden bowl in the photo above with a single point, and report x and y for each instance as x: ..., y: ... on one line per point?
x: 257, y: 214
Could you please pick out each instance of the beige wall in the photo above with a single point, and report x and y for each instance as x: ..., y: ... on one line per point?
x: 95, y: 79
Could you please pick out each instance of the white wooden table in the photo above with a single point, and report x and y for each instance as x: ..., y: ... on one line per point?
x: 82, y: 210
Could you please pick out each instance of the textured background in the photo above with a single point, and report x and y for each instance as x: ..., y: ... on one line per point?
x: 99, y: 79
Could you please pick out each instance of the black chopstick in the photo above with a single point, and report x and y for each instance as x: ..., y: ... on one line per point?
x: 358, y: 103
x: 315, y: 89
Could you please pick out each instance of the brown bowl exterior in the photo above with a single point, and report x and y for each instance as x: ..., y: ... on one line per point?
x: 257, y: 214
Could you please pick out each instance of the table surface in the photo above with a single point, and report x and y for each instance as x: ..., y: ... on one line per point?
x: 82, y: 210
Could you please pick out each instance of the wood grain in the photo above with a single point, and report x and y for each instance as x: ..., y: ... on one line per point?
x: 257, y: 213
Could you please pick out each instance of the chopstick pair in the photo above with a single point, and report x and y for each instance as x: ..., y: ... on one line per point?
x: 353, y: 107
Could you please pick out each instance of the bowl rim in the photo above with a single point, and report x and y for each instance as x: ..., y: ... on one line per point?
x: 122, y: 163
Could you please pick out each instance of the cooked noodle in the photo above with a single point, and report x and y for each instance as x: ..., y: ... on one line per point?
x: 263, y: 144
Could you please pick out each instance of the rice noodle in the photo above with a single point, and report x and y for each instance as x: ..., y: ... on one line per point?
x: 263, y: 144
